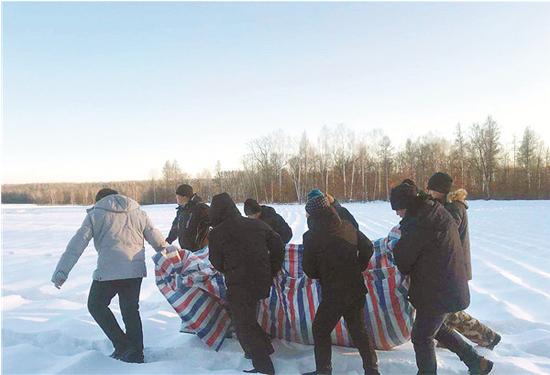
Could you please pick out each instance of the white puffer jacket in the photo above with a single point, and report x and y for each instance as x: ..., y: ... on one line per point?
x: 118, y: 226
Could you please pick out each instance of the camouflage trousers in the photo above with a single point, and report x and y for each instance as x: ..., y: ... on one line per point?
x: 471, y: 328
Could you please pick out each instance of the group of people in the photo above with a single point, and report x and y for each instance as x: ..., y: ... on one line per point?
x: 433, y: 251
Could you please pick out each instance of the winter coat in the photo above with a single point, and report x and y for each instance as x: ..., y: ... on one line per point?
x: 336, y: 253
x: 344, y: 213
x: 118, y: 226
x: 191, y: 225
x: 247, y: 251
x: 276, y: 222
x: 459, y: 211
x: 430, y: 251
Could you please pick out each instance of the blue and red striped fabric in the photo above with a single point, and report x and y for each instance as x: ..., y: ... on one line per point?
x: 196, y: 291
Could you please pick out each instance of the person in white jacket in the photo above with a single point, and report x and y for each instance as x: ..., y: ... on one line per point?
x: 118, y: 227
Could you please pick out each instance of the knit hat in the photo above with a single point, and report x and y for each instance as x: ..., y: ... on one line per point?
x: 316, y: 203
x: 403, y: 196
x: 314, y: 193
x: 104, y: 193
x: 185, y: 190
x: 440, y: 182
x: 251, y: 207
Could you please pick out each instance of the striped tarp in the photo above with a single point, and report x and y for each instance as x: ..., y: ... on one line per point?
x: 196, y: 291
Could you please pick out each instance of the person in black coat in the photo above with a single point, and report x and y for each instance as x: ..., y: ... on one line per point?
x: 269, y: 216
x: 430, y: 252
x: 249, y: 254
x: 190, y: 225
x: 336, y: 253
x: 439, y: 187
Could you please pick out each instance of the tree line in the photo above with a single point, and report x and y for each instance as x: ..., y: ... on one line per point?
x: 351, y: 166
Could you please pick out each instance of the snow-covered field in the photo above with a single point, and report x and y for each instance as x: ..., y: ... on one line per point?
x: 45, y: 330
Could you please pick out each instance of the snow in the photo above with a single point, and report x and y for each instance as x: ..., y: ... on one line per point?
x: 45, y: 330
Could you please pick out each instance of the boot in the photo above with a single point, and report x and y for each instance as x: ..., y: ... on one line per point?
x: 495, y: 342
x: 132, y: 355
x: 119, y: 350
x: 117, y: 353
x: 256, y: 371
x: 325, y: 371
x: 480, y: 366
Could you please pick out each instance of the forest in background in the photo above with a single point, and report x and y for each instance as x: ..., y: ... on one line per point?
x: 350, y: 166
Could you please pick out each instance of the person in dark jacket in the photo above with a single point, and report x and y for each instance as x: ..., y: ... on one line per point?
x: 336, y: 253
x: 342, y: 212
x: 269, y: 216
x: 250, y: 254
x: 439, y: 187
x: 190, y: 225
x: 430, y: 252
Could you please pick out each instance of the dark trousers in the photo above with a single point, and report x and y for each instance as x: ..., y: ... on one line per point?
x: 101, y: 294
x: 327, y: 316
x: 428, y: 326
x: 251, y: 336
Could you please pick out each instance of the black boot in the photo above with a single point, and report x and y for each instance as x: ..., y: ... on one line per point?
x: 480, y: 366
x: 132, y: 355
x: 119, y: 350
x: 325, y: 371
x: 117, y: 353
x: 256, y: 371
x: 495, y: 342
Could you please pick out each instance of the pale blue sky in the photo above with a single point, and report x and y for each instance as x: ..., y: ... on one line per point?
x: 109, y: 91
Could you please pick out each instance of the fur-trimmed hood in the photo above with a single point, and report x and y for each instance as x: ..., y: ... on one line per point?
x: 457, y: 196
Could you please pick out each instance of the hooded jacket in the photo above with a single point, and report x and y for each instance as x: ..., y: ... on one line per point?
x: 458, y: 207
x: 336, y: 253
x: 247, y: 251
x: 430, y: 252
x: 269, y: 216
x: 118, y: 227
x: 190, y: 226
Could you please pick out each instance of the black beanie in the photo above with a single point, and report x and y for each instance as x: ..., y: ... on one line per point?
x: 185, y: 190
x: 251, y: 207
x: 104, y: 193
x: 440, y: 182
x: 403, y: 196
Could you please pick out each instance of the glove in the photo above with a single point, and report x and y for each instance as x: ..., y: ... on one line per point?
x: 171, y: 250
x: 59, y: 279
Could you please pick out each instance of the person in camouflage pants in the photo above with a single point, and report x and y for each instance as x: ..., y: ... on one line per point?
x: 472, y: 329
x: 439, y: 187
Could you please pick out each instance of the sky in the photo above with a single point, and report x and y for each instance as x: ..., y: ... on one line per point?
x: 110, y: 91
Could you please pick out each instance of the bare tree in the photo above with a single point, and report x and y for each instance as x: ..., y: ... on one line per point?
x: 527, y: 155
x: 485, y: 147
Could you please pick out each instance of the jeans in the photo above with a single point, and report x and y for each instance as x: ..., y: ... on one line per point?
x: 428, y: 326
x: 101, y: 294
